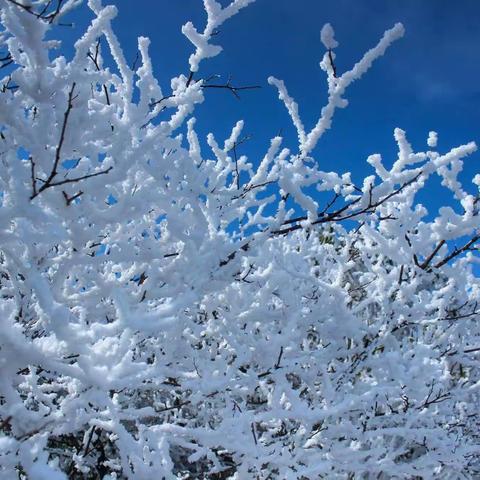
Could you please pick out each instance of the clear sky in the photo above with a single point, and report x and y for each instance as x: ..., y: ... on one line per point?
x: 429, y: 80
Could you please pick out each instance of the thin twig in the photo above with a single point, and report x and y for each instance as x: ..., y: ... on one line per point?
x: 134, y: 64
x: 472, y: 350
x: 190, y: 78
x: 279, y: 359
x: 400, y: 276
x: 232, y: 88
x: 34, y: 182
x: 427, y: 261
x: 68, y: 199
x: 156, y: 102
x: 94, y: 59
x: 78, y: 179
x: 330, y: 57
x: 458, y: 251
x: 58, y: 150
x: 254, y: 434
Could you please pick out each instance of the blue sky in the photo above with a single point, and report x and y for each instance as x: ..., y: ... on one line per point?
x: 429, y: 80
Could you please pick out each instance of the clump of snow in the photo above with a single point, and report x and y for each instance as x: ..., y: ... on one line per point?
x: 327, y: 35
x: 432, y: 139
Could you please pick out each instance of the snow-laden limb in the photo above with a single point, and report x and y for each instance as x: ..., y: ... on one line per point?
x: 292, y: 107
x: 216, y: 16
x: 168, y: 312
x: 336, y: 85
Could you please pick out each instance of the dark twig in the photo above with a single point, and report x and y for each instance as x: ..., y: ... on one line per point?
x: 330, y: 57
x: 237, y: 174
x: 69, y: 200
x: 400, y: 276
x: 107, y: 97
x: 279, y: 359
x: 6, y: 86
x: 427, y: 261
x: 58, y: 150
x: 166, y: 97
x: 472, y: 350
x: 430, y: 400
x: 457, y: 251
x: 94, y: 59
x: 78, y: 179
x: 456, y: 313
x: 234, y: 150
x: 330, y: 204
x: 190, y: 78
x: 254, y: 434
x: 6, y: 60
x: 134, y: 64
x: 34, y: 182
x: 250, y: 270
x: 86, y: 451
x: 231, y: 88
x: 174, y: 407
x: 249, y: 188
x: 45, y: 8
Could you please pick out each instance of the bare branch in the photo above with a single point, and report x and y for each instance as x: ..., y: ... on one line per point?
x: 231, y: 88
x: 34, y: 182
x: 254, y: 434
x: 68, y: 199
x: 457, y: 251
x: 94, y: 59
x: 190, y: 78
x: 279, y: 359
x: 472, y: 350
x: 330, y: 57
x: 400, y: 276
x: 234, y: 149
x: 135, y: 61
x: 153, y: 104
x: 78, y: 179
x: 6, y: 61
x: 58, y: 150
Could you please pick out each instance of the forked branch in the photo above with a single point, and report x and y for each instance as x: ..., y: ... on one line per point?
x: 232, y: 88
x: 50, y: 182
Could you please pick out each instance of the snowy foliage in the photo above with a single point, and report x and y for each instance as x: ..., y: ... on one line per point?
x: 172, y: 313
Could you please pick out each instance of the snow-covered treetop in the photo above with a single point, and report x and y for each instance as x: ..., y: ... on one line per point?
x: 169, y: 312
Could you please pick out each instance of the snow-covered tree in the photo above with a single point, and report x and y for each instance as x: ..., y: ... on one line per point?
x: 168, y: 312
